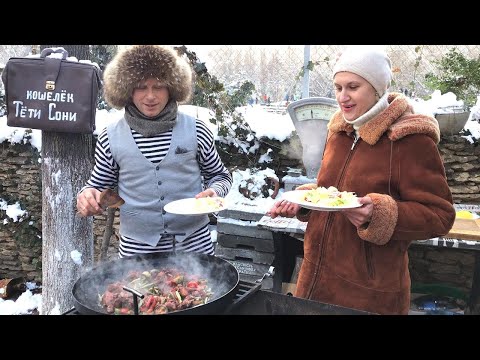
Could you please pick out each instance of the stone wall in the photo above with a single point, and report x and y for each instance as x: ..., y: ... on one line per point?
x: 20, y: 242
x: 462, y: 166
x: 20, y: 180
x: 433, y: 265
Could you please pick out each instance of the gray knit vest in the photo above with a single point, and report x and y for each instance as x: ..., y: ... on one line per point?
x: 147, y: 187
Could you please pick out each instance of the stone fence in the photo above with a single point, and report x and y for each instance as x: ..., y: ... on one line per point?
x: 21, y: 244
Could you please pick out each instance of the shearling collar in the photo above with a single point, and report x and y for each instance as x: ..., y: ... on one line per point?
x: 398, y: 121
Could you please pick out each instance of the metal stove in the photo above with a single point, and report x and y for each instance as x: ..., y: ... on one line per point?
x: 251, y: 300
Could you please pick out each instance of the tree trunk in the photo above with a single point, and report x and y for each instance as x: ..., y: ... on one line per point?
x: 107, y: 234
x: 67, y: 161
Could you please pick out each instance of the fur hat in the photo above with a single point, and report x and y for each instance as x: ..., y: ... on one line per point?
x: 372, y: 64
x: 140, y: 62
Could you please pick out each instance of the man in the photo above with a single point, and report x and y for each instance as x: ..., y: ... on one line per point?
x: 154, y: 154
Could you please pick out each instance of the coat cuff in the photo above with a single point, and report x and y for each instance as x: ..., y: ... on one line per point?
x: 384, y: 220
x: 303, y: 214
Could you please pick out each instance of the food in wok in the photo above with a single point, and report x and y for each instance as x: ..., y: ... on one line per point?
x: 165, y: 290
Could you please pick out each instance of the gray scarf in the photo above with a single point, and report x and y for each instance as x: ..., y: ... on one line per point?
x: 151, y: 126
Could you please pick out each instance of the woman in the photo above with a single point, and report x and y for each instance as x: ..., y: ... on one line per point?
x: 155, y: 154
x: 378, y: 148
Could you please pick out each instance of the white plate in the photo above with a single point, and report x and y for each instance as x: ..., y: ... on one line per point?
x: 296, y: 197
x: 192, y: 206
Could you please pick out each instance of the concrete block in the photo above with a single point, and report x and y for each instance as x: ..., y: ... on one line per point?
x: 243, y: 254
x: 245, y: 242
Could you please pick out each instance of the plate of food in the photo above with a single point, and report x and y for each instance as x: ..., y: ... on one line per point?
x: 193, y: 206
x: 323, y: 199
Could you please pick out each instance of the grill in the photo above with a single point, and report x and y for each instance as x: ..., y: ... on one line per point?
x: 251, y: 300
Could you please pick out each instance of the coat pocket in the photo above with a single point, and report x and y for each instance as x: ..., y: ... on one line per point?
x: 352, y: 260
x: 367, y: 265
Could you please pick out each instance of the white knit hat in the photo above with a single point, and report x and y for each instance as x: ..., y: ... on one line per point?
x: 370, y: 63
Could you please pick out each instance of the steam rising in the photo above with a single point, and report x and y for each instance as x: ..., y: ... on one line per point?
x: 222, y: 277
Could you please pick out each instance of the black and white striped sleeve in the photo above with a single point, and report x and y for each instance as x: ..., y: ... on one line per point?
x: 214, y: 172
x: 105, y: 172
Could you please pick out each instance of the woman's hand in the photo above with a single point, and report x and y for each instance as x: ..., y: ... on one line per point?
x: 88, y: 202
x: 309, y: 186
x: 287, y: 209
x: 361, y: 215
x: 283, y: 208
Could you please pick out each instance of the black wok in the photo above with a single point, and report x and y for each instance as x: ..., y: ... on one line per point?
x: 223, y: 279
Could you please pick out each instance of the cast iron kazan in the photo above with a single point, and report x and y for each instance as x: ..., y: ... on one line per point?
x: 222, y: 276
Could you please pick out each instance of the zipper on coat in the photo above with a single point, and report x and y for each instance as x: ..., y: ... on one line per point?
x: 329, y: 223
x: 355, y: 139
x: 322, y: 250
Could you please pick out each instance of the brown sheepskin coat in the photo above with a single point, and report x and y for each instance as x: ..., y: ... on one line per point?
x: 397, y: 163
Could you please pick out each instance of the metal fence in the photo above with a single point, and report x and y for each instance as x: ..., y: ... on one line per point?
x: 275, y: 69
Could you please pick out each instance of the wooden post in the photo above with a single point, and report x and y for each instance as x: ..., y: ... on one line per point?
x: 107, y: 234
x: 67, y: 161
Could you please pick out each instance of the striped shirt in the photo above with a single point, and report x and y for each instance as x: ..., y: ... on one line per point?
x: 215, y: 175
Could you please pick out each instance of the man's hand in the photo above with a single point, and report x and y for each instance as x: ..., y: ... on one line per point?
x: 88, y: 202
x: 207, y: 193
